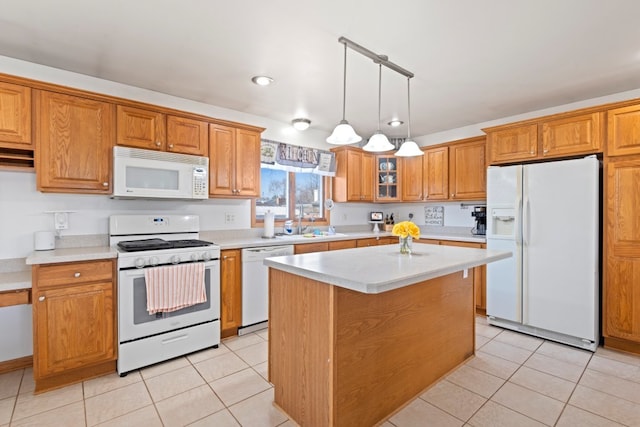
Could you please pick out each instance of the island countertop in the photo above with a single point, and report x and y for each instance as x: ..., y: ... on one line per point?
x: 377, y: 269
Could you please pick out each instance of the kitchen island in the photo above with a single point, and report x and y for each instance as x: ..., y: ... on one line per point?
x: 355, y: 334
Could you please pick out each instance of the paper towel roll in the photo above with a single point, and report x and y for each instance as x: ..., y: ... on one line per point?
x: 269, y: 219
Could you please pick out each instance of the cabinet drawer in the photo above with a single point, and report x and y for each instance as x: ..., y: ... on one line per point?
x: 342, y: 244
x: 17, y: 297
x: 76, y: 272
x: 305, y: 248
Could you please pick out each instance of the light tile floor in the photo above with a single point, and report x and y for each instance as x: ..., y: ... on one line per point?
x: 514, y: 380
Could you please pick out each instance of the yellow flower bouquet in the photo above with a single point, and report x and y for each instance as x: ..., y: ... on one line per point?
x: 406, y: 230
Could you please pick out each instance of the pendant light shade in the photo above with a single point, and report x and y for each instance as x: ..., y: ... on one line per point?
x: 409, y: 148
x: 378, y: 142
x: 343, y: 134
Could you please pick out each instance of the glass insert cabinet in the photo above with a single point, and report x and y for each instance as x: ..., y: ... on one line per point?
x: 387, y: 185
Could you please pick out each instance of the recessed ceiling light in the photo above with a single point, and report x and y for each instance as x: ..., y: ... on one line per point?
x: 262, y: 80
x: 395, y: 123
x: 301, y: 124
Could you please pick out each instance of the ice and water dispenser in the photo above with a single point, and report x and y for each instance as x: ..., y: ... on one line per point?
x: 503, y: 222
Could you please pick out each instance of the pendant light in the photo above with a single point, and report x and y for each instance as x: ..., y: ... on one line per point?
x: 344, y: 134
x: 378, y: 141
x: 409, y: 148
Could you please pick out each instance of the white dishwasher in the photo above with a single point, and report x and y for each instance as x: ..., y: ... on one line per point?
x: 255, y: 286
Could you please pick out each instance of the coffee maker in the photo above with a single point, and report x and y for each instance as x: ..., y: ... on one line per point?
x: 480, y: 214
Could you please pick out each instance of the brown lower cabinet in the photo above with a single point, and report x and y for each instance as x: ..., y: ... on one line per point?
x: 479, y: 277
x: 74, y: 320
x: 621, y: 276
x: 230, y: 292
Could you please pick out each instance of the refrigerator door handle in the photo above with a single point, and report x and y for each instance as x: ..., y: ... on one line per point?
x: 517, y: 231
x: 526, y: 227
x: 526, y: 213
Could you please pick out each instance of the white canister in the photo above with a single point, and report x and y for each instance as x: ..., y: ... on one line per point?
x: 44, y: 240
x: 269, y: 224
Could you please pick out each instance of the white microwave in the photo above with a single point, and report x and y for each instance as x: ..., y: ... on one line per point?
x: 159, y: 175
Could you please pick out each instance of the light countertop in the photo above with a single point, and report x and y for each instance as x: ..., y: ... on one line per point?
x: 250, y: 242
x: 377, y: 269
x: 71, y: 255
x: 15, y: 280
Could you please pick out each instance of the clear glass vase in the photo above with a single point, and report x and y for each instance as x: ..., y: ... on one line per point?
x: 405, y: 245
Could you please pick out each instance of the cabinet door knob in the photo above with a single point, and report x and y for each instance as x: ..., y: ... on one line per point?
x: 76, y: 274
x: 170, y: 145
x: 545, y: 151
x: 453, y: 194
x: 105, y: 184
x: 158, y: 143
x: 531, y: 152
x: 41, y: 299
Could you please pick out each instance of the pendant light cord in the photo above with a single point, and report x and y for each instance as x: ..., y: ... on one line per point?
x: 344, y: 84
x: 409, y: 108
x: 379, y: 92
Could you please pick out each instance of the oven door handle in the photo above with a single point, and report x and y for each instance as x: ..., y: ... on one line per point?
x: 138, y: 272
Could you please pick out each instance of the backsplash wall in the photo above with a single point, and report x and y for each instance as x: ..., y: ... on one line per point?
x: 455, y: 214
x: 23, y: 212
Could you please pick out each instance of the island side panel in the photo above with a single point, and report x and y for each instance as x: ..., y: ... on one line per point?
x: 300, y: 347
x: 391, y: 346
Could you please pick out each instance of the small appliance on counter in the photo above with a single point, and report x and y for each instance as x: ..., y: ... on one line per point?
x: 480, y: 214
x: 44, y: 240
x: 376, y: 218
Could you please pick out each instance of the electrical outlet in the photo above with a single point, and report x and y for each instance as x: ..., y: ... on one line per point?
x: 61, y: 220
x: 229, y: 218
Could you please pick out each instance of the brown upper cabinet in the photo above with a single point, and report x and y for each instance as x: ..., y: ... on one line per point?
x: 467, y: 171
x: 387, y: 178
x: 435, y: 170
x: 455, y: 171
x: 74, y: 141
x: 152, y: 130
x: 623, y: 131
x: 15, y: 116
x: 141, y: 128
x: 354, y: 175
x: 187, y: 136
x: 550, y: 137
x: 234, y: 161
x: 512, y: 144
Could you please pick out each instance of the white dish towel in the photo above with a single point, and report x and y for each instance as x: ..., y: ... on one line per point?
x: 170, y: 288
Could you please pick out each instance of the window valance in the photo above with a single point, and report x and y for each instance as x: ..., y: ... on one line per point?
x: 294, y: 158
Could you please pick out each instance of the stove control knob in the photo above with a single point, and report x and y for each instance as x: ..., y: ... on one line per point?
x: 139, y: 262
x: 154, y: 260
x: 194, y: 257
x: 206, y: 256
x: 175, y: 259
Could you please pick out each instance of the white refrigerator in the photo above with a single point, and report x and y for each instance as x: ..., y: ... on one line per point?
x: 547, y: 215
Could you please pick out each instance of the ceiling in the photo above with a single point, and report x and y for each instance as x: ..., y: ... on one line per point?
x: 473, y: 61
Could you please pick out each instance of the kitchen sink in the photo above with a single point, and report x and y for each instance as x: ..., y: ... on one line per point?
x: 308, y: 236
